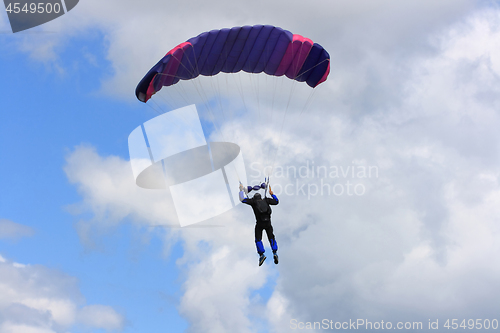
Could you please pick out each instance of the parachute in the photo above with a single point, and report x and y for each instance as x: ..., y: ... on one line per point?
x: 191, y: 74
x: 252, y: 49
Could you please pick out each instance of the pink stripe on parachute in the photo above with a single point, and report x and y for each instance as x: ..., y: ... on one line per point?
x: 151, y: 89
x: 304, y: 46
x: 170, y: 71
x: 285, y: 61
x: 294, y: 57
x: 180, y: 46
x: 323, y: 79
x: 168, y: 74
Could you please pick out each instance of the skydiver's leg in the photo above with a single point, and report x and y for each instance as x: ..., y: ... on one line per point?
x: 258, y: 243
x: 270, y: 236
x: 272, y: 241
x: 258, y: 239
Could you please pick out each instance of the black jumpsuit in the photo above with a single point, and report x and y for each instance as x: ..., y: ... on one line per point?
x: 263, y: 222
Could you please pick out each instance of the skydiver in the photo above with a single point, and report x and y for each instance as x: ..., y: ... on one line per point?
x: 262, y: 212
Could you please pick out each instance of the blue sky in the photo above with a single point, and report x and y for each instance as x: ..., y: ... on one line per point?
x: 413, y: 92
x: 62, y: 112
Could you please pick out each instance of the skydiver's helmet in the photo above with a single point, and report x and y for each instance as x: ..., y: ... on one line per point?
x: 257, y: 196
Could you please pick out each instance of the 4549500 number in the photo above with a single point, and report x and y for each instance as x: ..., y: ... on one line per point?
x: 34, y: 7
x: 472, y: 324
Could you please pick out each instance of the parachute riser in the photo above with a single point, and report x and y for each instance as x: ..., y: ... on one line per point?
x: 267, y: 185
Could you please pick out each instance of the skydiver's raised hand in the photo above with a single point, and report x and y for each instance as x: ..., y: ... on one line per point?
x: 270, y: 191
x: 241, y: 187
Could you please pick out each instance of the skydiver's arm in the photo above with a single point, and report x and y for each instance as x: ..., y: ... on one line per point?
x: 273, y: 201
x: 243, y: 197
x: 243, y: 193
x: 246, y: 200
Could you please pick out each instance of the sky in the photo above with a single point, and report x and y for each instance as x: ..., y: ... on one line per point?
x: 403, y: 228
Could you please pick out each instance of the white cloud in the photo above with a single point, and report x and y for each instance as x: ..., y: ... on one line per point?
x: 12, y: 230
x: 216, y: 297
x: 108, y: 188
x: 421, y: 243
x: 138, y: 34
x: 100, y: 316
x: 428, y: 226
x: 220, y: 262
x: 4, y: 23
x: 37, y: 299
x: 8, y: 327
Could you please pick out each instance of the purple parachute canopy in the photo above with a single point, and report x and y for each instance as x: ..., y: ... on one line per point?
x: 253, y: 49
